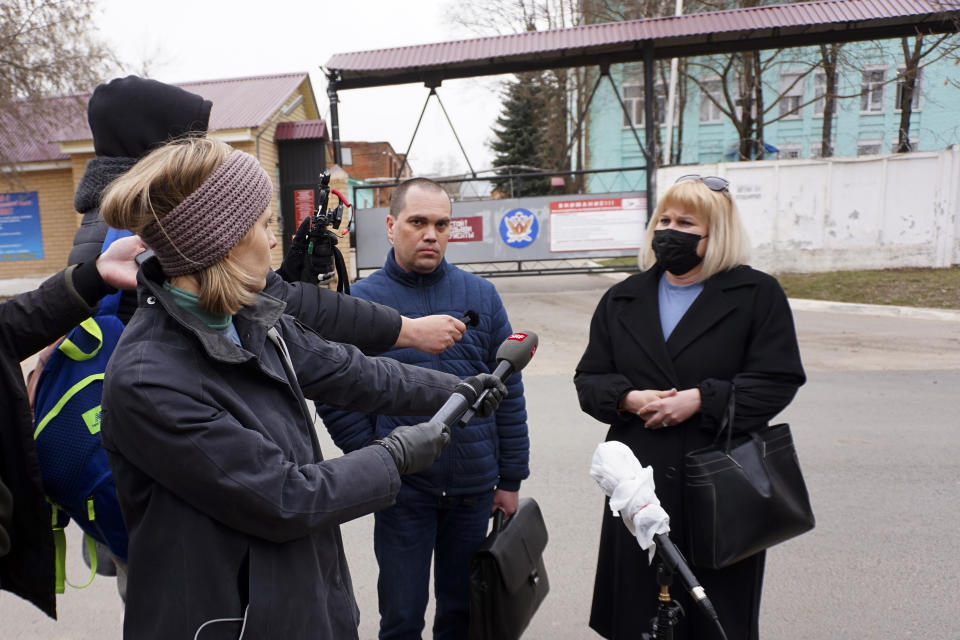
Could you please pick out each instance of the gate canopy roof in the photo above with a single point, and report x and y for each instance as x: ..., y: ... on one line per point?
x: 768, y: 27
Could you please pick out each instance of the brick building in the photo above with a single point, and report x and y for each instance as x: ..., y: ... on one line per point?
x: 37, y: 217
x: 372, y: 163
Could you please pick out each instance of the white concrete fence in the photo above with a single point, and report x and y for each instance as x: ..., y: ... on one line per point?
x: 873, y: 212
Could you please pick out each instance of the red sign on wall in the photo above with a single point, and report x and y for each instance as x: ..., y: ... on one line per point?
x: 466, y: 229
x: 303, y: 204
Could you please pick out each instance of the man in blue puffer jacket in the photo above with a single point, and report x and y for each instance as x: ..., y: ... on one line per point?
x: 444, y: 510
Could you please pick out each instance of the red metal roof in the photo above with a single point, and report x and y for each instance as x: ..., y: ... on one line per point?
x: 246, y: 102
x: 34, y: 134
x: 713, y: 32
x: 302, y: 130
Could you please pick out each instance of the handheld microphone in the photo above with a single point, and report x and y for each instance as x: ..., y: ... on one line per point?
x: 470, y: 318
x: 518, y: 347
x: 513, y: 355
x: 459, y: 401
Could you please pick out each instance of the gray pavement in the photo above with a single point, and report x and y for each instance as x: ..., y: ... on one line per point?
x: 876, y: 431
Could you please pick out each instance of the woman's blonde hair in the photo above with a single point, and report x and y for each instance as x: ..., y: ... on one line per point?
x: 728, y: 245
x: 158, y: 183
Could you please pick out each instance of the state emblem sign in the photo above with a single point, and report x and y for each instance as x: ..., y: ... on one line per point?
x: 519, y: 228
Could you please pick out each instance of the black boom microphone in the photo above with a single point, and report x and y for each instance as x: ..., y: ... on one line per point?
x: 512, y: 356
x: 671, y: 556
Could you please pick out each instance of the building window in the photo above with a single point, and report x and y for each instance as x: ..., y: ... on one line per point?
x: 788, y: 152
x: 816, y: 149
x: 915, y: 100
x: 633, y: 100
x: 819, y: 93
x: 791, y: 95
x: 709, y: 111
x: 346, y: 154
x: 869, y: 147
x: 871, y: 90
x: 913, y: 145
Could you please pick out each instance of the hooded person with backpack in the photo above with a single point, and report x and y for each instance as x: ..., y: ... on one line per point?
x: 233, y: 513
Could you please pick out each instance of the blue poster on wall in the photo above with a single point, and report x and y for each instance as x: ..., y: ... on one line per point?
x: 20, y: 234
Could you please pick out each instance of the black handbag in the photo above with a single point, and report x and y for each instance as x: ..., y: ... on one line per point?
x: 507, y: 578
x: 745, y: 496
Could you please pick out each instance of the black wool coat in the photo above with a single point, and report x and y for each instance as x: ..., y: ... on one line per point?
x: 739, y: 331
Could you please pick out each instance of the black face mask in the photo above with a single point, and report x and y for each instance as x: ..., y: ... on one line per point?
x: 676, y: 251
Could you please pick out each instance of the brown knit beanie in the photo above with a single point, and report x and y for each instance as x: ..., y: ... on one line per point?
x: 201, y: 230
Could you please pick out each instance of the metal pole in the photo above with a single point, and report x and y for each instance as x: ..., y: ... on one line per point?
x: 406, y: 155
x: 334, y: 117
x: 648, y: 103
x: 629, y: 116
x: 604, y: 71
x: 671, y: 100
x: 456, y: 137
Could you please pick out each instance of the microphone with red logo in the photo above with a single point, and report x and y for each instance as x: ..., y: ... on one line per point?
x: 512, y: 356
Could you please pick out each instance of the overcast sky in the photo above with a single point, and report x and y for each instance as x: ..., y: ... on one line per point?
x: 182, y: 40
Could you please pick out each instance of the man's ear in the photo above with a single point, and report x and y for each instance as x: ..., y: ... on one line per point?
x: 390, y: 223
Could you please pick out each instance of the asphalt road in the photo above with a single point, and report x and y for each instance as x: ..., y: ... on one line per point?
x: 877, y: 432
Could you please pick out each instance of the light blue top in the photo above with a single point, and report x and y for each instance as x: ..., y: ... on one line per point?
x: 674, y: 302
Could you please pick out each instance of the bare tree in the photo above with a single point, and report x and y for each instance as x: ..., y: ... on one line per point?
x: 47, y: 48
x: 829, y: 61
x: 908, y: 78
x: 734, y: 84
x: 565, y: 91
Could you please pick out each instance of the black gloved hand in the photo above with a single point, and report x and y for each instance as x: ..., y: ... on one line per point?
x: 497, y: 391
x: 292, y: 264
x: 415, y: 448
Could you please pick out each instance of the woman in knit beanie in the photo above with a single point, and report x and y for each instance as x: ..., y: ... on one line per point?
x: 231, y: 510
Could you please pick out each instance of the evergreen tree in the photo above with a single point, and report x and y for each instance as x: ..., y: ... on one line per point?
x: 519, y: 142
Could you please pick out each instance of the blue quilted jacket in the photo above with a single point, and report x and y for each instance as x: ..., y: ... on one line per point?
x: 488, y: 452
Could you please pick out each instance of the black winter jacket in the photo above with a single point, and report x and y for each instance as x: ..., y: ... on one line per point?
x: 232, y: 512
x: 28, y: 323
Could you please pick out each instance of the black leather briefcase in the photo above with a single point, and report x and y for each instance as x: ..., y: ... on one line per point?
x: 507, y: 578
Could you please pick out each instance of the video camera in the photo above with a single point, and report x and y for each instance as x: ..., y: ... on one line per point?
x: 323, y: 259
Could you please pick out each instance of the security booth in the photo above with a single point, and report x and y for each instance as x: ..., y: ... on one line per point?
x: 301, y: 147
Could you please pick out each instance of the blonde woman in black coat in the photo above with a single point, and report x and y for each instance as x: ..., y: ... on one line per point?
x: 666, y: 347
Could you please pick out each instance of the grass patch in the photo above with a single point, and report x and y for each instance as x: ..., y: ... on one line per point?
x: 626, y: 261
x: 935, y: 288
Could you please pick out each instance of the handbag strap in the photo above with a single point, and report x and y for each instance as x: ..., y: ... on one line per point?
x: 728, y: 417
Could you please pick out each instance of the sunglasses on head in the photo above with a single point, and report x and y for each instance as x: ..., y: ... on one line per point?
x: 714, y: 183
